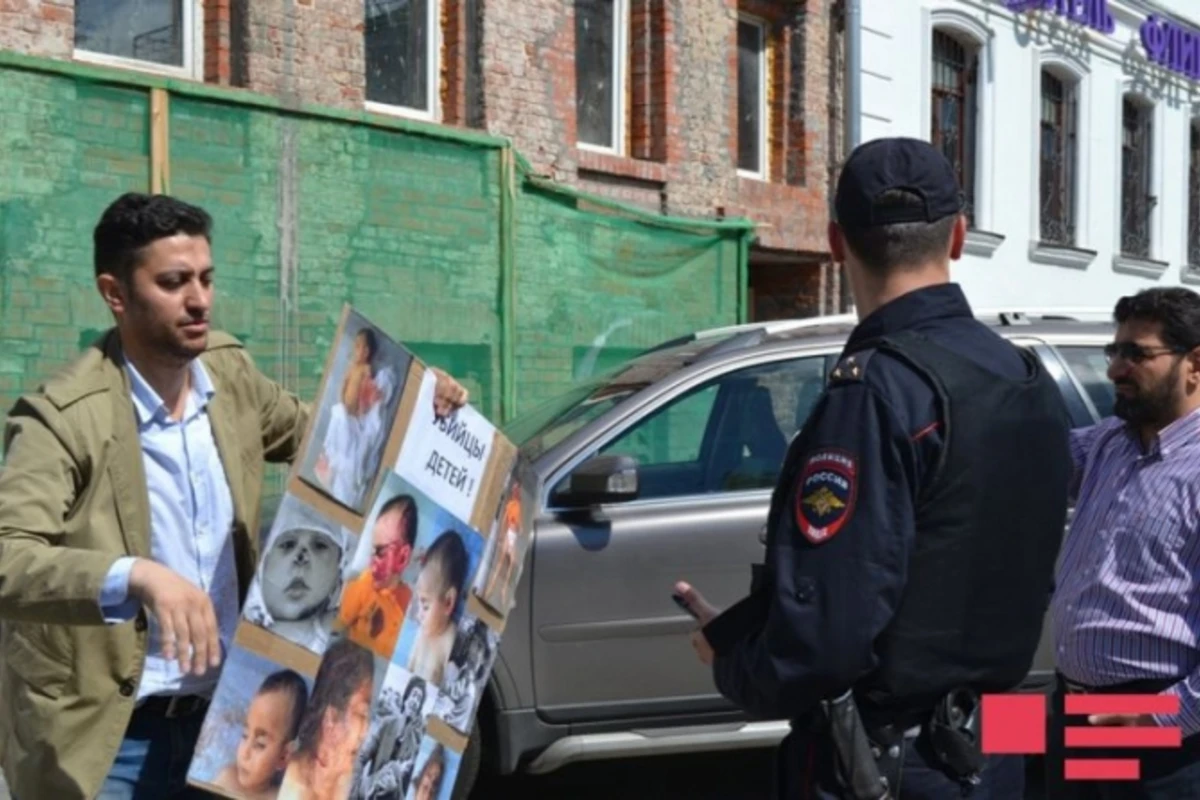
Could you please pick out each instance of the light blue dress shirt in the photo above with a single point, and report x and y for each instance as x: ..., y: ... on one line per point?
x: 191, y: 521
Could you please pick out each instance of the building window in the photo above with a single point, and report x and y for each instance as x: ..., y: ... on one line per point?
x: 601, y: 52
x: 955, y: 102
x: 1193, y: 244
x: 1058, y: 158
x: 157, y: 33
x: 401, y: 44
x: 752, y: 97
x: 1137, y: 204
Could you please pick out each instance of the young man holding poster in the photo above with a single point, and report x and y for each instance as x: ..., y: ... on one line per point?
x: 129, y: 513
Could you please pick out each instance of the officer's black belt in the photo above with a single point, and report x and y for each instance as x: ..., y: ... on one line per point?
x: 1146, y: 686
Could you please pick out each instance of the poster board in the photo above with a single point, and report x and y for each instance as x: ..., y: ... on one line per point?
x: 375, y: 614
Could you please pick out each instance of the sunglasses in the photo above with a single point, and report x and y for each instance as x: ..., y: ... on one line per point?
x: 1136, y: 353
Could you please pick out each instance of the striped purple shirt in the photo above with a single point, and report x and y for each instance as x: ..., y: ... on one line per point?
x: 1126, y: 602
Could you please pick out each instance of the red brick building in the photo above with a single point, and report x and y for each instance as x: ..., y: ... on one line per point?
x: 692, y: 107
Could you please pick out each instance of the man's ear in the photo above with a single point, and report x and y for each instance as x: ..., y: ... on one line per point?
x: 958, y: 237
x: 112, y: 292
x: 837, y: 242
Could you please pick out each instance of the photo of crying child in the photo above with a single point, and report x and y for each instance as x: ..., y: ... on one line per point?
x: 447, y: 557
x: 251, y: 728
x: 268, y: 738
x: 298, y: 585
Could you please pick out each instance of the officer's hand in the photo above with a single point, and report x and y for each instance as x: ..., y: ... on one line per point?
x: 184, y: 612
x: 448, y: 394
x: 704, y: 611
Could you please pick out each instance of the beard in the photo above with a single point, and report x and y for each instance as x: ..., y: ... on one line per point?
x: 1154, y: 405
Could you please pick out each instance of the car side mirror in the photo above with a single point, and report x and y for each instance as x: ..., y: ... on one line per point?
x: 600, y: 480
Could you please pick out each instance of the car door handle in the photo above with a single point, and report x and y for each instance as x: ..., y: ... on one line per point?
x: 762, y: 535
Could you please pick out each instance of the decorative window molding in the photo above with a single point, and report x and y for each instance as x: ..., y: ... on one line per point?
x: 1075, y: 76
x: 972, y: 33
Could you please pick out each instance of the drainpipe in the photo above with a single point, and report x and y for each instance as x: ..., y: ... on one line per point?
x: 853, y: 77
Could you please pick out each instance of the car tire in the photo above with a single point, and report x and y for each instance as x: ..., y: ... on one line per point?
x: 468, y: 768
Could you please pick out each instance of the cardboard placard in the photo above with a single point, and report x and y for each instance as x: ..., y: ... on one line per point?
x: 373, y: 621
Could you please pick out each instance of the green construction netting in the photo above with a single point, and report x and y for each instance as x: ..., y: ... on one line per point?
x: 515, y: 285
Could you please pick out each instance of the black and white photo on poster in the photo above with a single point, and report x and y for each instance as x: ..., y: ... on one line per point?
x: 467, y: 672
x: 386, y: 761
x: 298, y: 585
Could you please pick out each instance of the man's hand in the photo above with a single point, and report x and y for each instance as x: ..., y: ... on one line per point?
x: 448, y: 394
x: 1124, y: 720
x: 185, y: 616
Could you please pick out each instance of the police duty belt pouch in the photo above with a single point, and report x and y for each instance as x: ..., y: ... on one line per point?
x: 955, y: 736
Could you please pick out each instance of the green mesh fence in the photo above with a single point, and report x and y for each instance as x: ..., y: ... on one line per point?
x: 515, y: 285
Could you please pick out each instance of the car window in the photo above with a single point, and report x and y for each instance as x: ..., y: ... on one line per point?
x: 729, y: 434
x: 1090, y: 368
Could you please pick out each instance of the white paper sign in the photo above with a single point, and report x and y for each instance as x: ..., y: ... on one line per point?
x: 445, y: 458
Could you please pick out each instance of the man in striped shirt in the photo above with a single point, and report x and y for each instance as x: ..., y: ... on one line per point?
x: 1126, y: 604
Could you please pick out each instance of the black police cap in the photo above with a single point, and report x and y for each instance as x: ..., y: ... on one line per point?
x: 883, y: 165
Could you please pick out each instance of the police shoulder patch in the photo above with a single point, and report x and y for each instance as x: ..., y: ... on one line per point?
x: 851, y: 368
x: 825, y: 494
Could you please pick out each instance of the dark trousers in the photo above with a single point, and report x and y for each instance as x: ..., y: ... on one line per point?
x: 1166, y: 774
x: 806, y: 770
x: 154, y: 757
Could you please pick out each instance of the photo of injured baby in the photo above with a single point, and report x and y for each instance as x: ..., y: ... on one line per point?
x: 334, y: 726
x: 355, y: 415
x: 466, y: 673
x: 389, y: 755
x: 251, y: 729
x: 377, y: 597
x: 297, y: 587
x: 504, y: 556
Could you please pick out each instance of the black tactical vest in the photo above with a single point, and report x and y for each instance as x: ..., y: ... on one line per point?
x: 988, y: 530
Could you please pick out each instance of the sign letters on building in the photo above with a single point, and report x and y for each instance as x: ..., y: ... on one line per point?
x: 1093, y: 14
x: 1172, y: 46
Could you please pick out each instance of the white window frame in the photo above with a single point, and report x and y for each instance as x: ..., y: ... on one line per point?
x: 620, y: 62
x: 764, y: 127
x: 433, y: 85
x: 981, y: 240
x: 1152, y: 266
x: 1077, y: 76
x: 192, y: 17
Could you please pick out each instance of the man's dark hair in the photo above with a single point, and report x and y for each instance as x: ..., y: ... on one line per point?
x: 343, y: 671
x: 884, y: 248
x: 133, y: 221
x: 288, y: 682
x: 408, y: 510
x: 1175, y: 308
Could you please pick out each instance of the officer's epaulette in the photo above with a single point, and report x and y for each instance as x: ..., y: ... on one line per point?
x: 851, y: 368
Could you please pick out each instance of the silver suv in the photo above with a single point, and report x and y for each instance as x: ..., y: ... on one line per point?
x: 663, y: 469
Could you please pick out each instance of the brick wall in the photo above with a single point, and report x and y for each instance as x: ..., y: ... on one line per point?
x: 509, y: 66
x: 682, y: 104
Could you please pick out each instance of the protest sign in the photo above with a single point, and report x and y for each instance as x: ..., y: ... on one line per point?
x: 375, y: 614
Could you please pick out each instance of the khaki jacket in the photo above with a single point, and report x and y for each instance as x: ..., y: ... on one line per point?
x: 73, y: 499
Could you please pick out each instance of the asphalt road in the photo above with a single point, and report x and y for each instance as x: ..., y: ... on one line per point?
x: 728, y: 776
x: 741, y: 775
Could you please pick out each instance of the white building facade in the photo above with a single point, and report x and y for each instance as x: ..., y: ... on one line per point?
x: 1074, y: 126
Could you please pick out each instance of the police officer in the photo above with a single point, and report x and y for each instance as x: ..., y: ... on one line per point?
x: 915, y: 525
